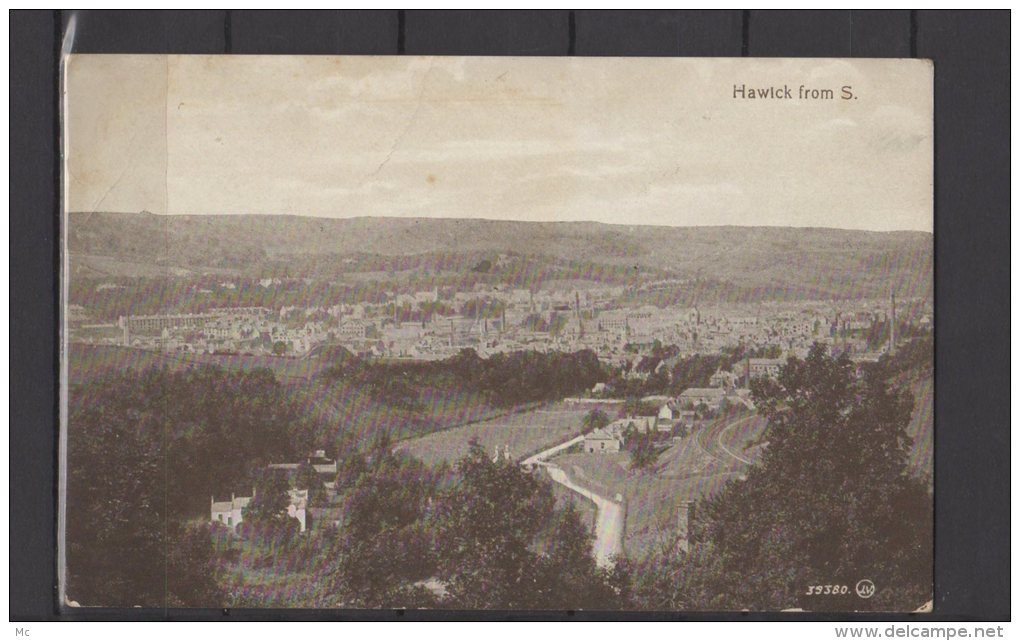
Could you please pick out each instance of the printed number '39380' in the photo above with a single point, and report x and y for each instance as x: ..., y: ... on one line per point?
x: 814, y: 590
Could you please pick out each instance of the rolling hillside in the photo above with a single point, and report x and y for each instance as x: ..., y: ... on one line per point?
x: 822, y: 261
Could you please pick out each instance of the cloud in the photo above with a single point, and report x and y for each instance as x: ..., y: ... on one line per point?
x: 618, y: 140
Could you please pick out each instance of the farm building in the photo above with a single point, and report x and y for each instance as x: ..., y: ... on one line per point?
x: 601, y: 441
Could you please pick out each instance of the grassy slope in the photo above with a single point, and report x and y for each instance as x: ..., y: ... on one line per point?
x: 696, y: 467
x: 351, y: 410
x: 525, y: 432
x: 687, y: 471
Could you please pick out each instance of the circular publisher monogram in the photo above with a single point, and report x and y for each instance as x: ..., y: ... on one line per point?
x: 865, y: 588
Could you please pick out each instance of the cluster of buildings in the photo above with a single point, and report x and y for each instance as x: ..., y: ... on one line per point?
x: 231, y: 514
x: 492, y: 319
x: 681, y: 413
x: 252, y: 330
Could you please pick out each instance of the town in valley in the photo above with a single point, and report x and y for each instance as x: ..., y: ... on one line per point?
x: 497, y: 334
x: 643, y: 402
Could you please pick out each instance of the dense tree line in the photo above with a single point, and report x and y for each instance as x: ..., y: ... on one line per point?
x: 505, y: 379
x: 915, y: 355
x: 146, y: 452
x: 484, y: 535
x: 211, y: 427
x: 384, y: 548
x: 830, y: 503
x: 664, y: 371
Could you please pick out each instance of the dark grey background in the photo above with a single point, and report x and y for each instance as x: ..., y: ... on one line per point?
x: 971, y: 54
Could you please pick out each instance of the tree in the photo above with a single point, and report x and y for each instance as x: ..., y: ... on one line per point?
x: 115, y: 509
x: 571, y: 572
x: 266, y: 517
x: 830, y: 503
x: 384, y: 549
x: 503, y: 545
x: 308, y: 479
x: 350, y: 466
x: 191, y: 577
x: 680, y: 430
x: 271, y: 498
x: 487, y: 523
x: 593, y: 420
x: 634, y: 406
x: 643, y: 451
x: 145, y: 452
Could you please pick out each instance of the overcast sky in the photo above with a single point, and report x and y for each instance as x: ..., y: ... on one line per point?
x: 638, y: 140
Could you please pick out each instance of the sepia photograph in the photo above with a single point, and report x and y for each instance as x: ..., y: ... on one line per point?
x: 497, y: 333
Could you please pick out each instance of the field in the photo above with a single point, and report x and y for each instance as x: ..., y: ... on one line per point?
x: 88, y: 362
x: 524, y: 432
x: 89, y: 265
x: 354, y: 415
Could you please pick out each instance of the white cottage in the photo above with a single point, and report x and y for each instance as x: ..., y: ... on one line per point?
x: 231, y: 513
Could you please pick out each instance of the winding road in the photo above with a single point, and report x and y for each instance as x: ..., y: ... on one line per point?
x: 544, y: 454
x: 609, y: 520
x: 610, y: 515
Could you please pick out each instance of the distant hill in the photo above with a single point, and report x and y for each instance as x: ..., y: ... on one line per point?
x: 774, y: 257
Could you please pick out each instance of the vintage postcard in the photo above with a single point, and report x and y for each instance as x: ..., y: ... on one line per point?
x: 497, y: 333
